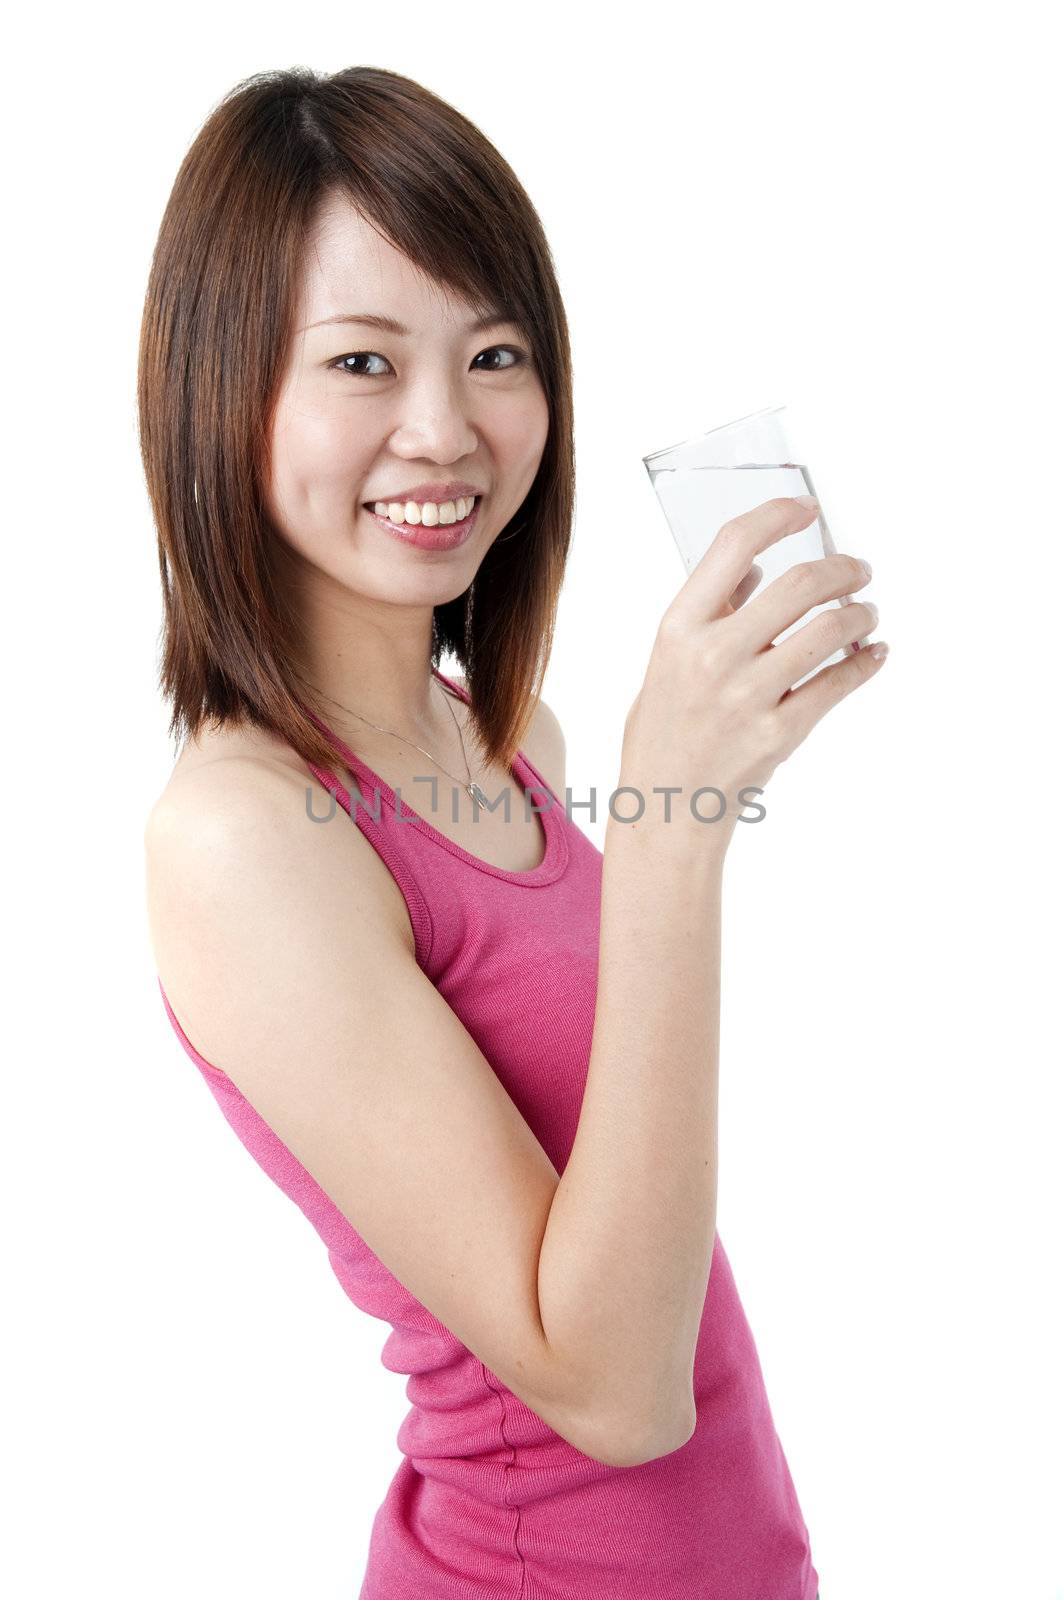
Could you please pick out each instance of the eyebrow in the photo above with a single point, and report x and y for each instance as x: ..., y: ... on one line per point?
x: 389, y: 325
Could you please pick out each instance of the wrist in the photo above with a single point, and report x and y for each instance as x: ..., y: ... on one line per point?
x: 672, y: 832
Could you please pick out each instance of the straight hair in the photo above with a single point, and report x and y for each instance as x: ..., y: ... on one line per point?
x: 218, y: 318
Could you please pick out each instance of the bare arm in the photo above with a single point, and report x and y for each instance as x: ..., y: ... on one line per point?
x: 625, y: 1259
x: 626, y: 1255
x: 280, y: 950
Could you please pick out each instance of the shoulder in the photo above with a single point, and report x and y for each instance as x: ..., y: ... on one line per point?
x: 239, y: 809
x: 236, y: 797
x: 544, y: 745
x: 233, y: 784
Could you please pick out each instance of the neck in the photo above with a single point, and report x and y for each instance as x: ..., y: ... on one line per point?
x: 444, y: 748
x: 371, y: 657
x: 346, y: 699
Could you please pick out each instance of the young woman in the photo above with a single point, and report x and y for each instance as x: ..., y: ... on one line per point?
x: 480, y: 1054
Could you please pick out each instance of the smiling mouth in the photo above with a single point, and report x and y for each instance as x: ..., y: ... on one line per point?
x: 439, y: 536
x: 371, y: 505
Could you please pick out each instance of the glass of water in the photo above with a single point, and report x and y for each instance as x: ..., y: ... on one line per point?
x: 704, y: 482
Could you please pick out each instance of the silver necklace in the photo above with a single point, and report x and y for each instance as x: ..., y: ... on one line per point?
x: 471, y: 788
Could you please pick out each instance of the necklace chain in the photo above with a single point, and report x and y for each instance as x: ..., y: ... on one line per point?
x: 472, y: 789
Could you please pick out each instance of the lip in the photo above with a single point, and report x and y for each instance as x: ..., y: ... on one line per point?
x: 443, y: 537
x: 428, y: 491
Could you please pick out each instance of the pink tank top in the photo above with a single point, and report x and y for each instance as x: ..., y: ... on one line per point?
x: 489, y: 1503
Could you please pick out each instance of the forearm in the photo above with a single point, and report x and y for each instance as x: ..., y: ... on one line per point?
x: 625, y: 1258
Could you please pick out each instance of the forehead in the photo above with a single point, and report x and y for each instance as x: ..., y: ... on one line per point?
x: 348, y: 264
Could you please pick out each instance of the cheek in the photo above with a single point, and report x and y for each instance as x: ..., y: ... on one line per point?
x: 525, y: 430
x: 317, y: 456
x: 542, y: 420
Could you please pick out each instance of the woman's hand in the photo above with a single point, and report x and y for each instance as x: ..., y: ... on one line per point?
x: 717, y: 707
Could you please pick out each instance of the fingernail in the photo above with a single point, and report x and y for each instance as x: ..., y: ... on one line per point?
x: 806, y: 500
x: 866, y: 565
x: 880, y: 650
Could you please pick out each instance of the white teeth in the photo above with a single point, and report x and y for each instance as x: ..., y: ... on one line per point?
x: 428, y: 513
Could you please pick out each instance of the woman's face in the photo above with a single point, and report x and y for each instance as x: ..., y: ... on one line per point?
x: 365, y: 414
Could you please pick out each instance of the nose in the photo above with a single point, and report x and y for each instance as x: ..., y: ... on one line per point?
x: 436, y: 423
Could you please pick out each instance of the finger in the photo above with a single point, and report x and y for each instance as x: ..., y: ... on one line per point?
x: 815, y: 698
x: 833, y: 628
x: 798, y: 590
x: 705, y: 594
x: 746, y: 587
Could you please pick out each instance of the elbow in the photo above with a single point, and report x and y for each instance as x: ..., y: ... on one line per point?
x: 660, y: 1441
x: 629, y: 1423
x: 633, y: 1444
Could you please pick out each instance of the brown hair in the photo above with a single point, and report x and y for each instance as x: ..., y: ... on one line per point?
x: 218, y: 316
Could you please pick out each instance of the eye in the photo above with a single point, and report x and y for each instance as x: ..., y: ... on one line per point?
x: 340, y: 363
x: 359, y: 355
x: 519, y: 357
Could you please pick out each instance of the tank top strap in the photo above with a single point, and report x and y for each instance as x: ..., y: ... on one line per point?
x: 430, y: 868
x: 386, y: 842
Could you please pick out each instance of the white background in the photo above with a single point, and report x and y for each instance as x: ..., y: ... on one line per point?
x: 828, y: 206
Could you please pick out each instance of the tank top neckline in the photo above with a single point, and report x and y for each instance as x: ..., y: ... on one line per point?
x: 555, y: 858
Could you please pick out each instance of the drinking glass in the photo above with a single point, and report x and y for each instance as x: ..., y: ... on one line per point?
x: 704, y: 482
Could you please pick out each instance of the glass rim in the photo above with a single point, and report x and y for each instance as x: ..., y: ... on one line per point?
x: 723, y: 427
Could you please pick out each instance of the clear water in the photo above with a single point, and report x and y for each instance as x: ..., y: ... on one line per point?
x: 697, y: 501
